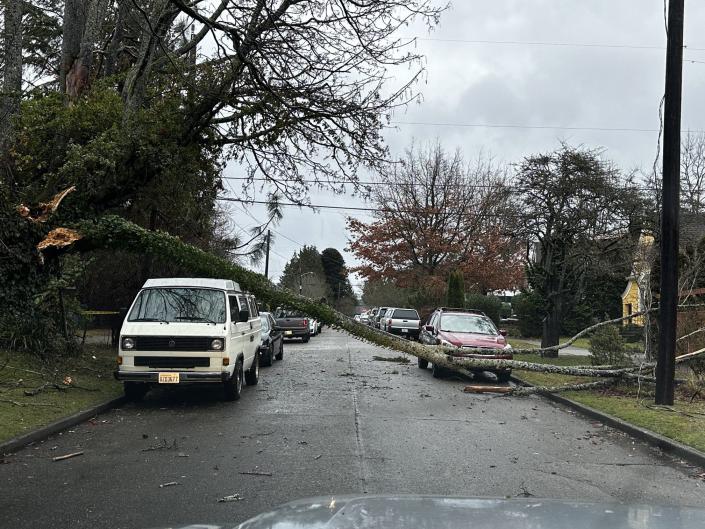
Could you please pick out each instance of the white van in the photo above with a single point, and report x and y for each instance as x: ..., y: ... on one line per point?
x: 190, y: 330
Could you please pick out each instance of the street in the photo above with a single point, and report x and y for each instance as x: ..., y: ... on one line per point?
x: 328, y: 419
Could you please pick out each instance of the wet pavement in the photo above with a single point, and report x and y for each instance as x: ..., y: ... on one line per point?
x: 328, y: 419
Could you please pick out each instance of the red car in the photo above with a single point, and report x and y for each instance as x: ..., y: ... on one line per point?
x: 465, y: 329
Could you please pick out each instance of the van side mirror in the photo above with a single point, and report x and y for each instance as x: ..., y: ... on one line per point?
x: 428, y: 328
x: 503, y: 332
x: 243, y: 315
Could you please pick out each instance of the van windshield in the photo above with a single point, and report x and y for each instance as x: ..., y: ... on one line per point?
x: 196, y: 305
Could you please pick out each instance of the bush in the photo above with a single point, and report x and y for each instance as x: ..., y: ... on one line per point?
x: 490, y: 305
x: 456, y: 289
x: 529, y: 310
x: 632, y: 333
x: 607, y: 347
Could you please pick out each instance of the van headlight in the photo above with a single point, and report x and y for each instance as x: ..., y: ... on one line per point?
x: 128, y: 343
x: 217, y: 344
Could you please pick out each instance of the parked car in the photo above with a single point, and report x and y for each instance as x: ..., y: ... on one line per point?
x: 356, y: 317
x: 465, y: 329
x: 293, y: 324
x: 189, y: 330
x: 272, y: 340
x: 380, y: 314
x: 404, y: 322
x: 314, y: 326
x: 371, y: 314
x: 365, y: 318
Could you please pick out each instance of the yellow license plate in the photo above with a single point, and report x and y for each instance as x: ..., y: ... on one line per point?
x: 168, y: 378
x: 288, y: 333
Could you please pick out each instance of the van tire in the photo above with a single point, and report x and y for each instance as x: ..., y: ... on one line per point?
x: 135, y: 391
x: 423, y: 364
x: 252, y: 374
x: 305, y: 338
x: 233, y: 388
x: 504, y: 376
x: 268, y: 356
x: 280, y: 354
x: 437, y: 371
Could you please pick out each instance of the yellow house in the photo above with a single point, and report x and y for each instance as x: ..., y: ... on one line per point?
x: 633, y: 297
x: 638, y: 289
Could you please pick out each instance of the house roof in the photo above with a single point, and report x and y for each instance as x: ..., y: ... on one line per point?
x: 692, y: 228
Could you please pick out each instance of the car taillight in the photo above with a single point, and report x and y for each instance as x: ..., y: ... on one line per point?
x: 305, y: 322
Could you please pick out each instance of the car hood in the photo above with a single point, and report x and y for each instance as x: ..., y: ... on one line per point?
x: 472, y: 340
x: 422, y: 512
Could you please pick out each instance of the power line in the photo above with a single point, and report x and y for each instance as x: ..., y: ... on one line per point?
x: 552, y: 44
x: 401, y: 184
x: 538, y: 127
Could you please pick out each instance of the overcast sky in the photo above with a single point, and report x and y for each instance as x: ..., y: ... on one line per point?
x: 470, y: 84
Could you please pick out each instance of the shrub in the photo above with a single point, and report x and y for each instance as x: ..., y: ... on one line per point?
x: 456, y: 289
x: 490, y: 305
x: 529, y: 310
x: 607, y: 347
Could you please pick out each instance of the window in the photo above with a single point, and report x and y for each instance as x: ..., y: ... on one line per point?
x: 629, y: 309
x: 406, y: 314
x: 243, y: 304
x: 180, y: 304
x: 468, y: 323
x: 234, y: 316
x: 253, y: 306
x: 265, y: 324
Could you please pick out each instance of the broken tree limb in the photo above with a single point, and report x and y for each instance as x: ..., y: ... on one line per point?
x: 45, y: 209
x: 533, y: 390
x: 67, y: 456
x: 487, y: 389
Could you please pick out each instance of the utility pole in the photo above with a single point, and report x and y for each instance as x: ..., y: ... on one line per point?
x: 266, y: 259
x: 668, y: 303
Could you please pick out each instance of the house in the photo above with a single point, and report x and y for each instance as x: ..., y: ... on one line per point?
x: 637, y: 292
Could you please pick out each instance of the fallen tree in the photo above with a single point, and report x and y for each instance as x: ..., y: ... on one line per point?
x: 113, y: 232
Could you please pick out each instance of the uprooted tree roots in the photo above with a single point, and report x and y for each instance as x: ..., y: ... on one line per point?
x: 112, y: 232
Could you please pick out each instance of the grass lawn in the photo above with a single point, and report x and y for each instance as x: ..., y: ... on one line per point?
x: 683, y: 422
x: 91, y: 382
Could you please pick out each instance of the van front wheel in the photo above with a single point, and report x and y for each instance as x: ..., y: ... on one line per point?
x: 252, y: 374
x: 233, y: 387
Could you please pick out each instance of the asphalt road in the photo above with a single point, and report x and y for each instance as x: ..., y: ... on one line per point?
x: 328, y: 419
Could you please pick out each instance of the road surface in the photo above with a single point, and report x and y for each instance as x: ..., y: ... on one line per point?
x: 328, y: 419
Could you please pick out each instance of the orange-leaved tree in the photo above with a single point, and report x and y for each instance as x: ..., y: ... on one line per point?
x: 435, y: 214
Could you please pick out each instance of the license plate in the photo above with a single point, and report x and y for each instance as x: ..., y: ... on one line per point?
x: 288, y: 333
x: 168, y: 378
x: 404, y: 330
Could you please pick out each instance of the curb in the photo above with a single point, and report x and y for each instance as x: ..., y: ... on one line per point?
x: 669, y: 446
x: 40, y: 434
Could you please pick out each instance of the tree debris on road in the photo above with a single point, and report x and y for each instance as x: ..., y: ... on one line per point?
x: 67, y: 456
x: 232, y: 497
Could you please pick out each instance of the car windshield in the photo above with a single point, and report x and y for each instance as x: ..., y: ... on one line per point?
x: 407, y: 314
x: 467, y: 323
x: 195, y: 305
x: 265, y: 324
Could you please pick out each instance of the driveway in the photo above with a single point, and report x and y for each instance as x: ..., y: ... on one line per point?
x: 328, y: 419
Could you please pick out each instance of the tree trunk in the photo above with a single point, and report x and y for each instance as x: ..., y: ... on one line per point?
x: 82, y: 20
x: 113, y: 51
x: 551, y: 330
x: 137, y: 78
x: 12, y: 75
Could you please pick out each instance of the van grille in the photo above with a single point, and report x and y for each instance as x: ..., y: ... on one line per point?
x: 172, y: 361
x: 175, y: 343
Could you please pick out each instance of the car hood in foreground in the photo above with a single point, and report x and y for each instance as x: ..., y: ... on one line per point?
x: 468, y: 339
x: 429, y: 512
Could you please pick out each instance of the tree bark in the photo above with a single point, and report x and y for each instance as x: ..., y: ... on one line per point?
x: 113, y: 51
x: 82, y: 20
x: 12, y: 75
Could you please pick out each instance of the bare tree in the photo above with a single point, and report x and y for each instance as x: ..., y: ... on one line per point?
x: 693, y: 173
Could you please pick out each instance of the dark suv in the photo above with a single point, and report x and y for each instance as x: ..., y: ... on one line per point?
x: 465, y: 329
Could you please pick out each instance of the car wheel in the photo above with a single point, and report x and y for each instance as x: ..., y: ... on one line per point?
x: 233, y: 388
x: 438, y: 371
x: 423, y: 364
x: 267, y: 356
x: 280, y: 354
x: 135, y: 390
x: 252, y: 374
x: 305, y: 339
x: 503, y: 376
